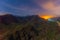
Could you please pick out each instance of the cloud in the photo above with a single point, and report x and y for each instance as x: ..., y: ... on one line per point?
x: 32, y: 7
x: 22, y: 10
x: 53, y: 7
x: 3, y: 13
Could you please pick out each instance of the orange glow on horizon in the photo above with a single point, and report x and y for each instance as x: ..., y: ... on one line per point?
x: 46, y: 17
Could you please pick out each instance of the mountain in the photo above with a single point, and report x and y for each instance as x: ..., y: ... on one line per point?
x: 32, y: 28
x: 8, y: 18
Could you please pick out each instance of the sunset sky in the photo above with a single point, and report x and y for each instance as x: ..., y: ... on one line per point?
x: 30, y: 7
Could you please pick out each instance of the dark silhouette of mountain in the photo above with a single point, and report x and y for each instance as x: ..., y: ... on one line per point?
x: 8, y: 18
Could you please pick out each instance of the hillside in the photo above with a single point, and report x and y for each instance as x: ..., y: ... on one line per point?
x: 28, y: 28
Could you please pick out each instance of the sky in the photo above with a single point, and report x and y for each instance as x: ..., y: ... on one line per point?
x: 30, y: 7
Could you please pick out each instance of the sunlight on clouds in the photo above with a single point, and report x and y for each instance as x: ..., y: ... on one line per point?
x: 53, y: 7
x: 48, y: 6
x: 46, y: 17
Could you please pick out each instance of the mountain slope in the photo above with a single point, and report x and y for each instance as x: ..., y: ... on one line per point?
x: 6, y: 19
x: 28, y: 28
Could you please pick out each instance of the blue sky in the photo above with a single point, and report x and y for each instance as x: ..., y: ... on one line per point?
x: 30, y: 7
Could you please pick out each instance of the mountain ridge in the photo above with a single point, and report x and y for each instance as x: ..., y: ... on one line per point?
x: 8, y: 18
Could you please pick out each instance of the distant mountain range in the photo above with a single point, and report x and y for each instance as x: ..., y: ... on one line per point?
x: 8, y: 18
